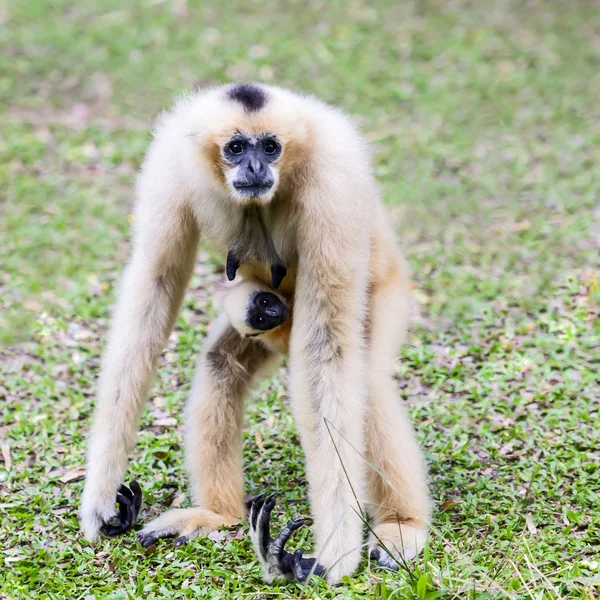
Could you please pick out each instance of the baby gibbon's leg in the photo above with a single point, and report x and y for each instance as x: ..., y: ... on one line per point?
x: 151, y: 291
x: 213, y: 435
x: 400, y: 502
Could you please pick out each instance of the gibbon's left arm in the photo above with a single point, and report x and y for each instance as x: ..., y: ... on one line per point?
x: 327, y: 374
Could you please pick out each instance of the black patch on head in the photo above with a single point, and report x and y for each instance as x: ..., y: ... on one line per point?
x: 250, y: 96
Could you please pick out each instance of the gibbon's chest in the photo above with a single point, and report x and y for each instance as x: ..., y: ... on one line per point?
x: 260, y: 237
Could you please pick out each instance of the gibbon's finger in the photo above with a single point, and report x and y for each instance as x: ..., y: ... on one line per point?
x: 138, y: 497
x: 110, y: 530
x: 264, y: 523
x: 255, y: 509
x: 298, y: 570
x: 114, y: 526
x: 146, y: 539
x: 125, y: 509
x: 278, y: 545
x: 256, y: 529
x: 125, y: 491
x: 129, y: 503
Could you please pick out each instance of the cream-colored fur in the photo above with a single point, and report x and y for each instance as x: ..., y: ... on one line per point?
x: 349, y: 289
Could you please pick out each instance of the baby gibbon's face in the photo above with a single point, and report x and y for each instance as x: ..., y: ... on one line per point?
x: 251, y: 171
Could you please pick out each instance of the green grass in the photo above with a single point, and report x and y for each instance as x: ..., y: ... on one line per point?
x: 485, y: 129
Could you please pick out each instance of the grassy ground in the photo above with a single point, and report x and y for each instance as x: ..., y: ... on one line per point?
x: 485, y: 128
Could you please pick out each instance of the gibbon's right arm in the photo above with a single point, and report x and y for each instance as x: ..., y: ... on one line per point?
x: 164, y: 249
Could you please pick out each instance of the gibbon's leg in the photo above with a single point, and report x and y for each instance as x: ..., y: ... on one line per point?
x: 213, y: 435
x: 328, y: 379
x: 152, y: 287
x: 400, y: 503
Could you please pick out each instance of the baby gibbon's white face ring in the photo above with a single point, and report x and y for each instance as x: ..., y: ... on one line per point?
x: 252, y: 172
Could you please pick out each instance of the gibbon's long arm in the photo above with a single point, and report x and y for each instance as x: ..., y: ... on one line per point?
x: 152, y: 287
x: 327, y: 366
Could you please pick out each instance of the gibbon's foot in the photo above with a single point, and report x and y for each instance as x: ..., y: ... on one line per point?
x: 395, y: 544
x: 384, y: 560
x: 275, y: 560
x: 129, y: 500
x: 183, y: 524
x: 147, y: 539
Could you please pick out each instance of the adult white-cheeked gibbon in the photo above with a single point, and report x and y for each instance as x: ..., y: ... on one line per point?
x: 282, y: 186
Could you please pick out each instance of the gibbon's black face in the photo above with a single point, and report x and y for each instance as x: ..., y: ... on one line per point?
x: 252, y: 175
x: 266, y: 311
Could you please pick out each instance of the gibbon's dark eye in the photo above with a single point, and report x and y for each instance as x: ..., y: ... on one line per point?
x: 264, y: 301
x: 261, y: 320
x: 236, y: 148
x: 271, y: 147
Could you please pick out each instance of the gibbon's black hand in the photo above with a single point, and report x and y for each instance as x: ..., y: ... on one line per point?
x: 278, y: 273
x: 233, y: 264
x: 276, y: 561
x: 129, y: 500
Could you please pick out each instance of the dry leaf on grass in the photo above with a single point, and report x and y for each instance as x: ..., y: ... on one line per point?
x: 449, y: 505
x: 166, y: 422
x: 178, y: 501
x: 73, y: 475
x: 530, y: 524
x: 218, y: 536
x: 6, y: 456
x: 259, y: 441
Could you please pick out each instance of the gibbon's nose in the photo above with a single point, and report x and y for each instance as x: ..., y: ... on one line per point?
x: 277, y: 311
x: 255, y: 166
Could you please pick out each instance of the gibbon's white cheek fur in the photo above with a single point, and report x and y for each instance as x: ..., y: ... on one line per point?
x: 323, y: 230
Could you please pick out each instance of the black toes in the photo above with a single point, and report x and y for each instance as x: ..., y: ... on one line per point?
x: 146, y: 539
x: 129, y: 501
x: 275, y: 558
x: 384, y: 560
x: 180, y: 541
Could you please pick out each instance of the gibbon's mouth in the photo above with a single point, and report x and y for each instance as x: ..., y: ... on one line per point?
x: 253, y: 189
